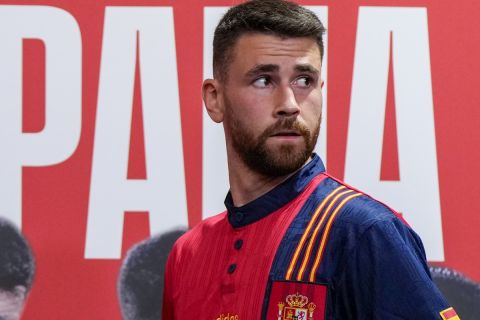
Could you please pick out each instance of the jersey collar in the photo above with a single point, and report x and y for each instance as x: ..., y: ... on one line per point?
x: 275, y: 198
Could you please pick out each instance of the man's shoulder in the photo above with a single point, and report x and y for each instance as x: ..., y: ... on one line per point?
x: 364, y: 221
x: 355, y: 206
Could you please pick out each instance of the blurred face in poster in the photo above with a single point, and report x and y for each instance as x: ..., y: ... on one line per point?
x: 17, y: 269
x: 11, y: 303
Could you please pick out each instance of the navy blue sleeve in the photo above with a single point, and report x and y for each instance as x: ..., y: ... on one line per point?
x: 386, y: 277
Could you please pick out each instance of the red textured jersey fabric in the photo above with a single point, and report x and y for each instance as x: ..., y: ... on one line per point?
x: 212, y: 275
x: 311, y: 247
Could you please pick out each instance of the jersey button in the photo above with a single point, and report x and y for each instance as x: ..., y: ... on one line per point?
x: 231, y: 268
x: 239, y: 215
x: 238, y: 244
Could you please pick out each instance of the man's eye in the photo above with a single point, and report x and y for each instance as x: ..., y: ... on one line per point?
x: 261, y: 82
x: 303, y: 82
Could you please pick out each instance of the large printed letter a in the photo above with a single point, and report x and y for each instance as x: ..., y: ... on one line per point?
x: 416, y: 194
x: 162, y: 193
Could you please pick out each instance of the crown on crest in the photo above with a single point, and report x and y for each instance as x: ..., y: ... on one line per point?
x: 296, y: 300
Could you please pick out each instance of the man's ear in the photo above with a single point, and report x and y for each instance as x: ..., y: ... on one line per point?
x: 212, y: 97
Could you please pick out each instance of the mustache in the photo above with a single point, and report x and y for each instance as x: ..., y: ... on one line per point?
x: 287, y: 124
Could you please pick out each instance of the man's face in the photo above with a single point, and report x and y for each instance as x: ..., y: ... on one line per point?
x: 272, y: 101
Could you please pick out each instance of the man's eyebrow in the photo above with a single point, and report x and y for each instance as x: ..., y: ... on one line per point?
x: 262, y: 68
x: 306, y: 68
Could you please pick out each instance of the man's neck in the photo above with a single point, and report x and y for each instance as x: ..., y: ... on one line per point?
x: 247, y: 185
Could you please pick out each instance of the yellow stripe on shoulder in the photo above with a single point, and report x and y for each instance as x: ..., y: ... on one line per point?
x: 326, y: 233
x: 316, y: 233
x: 300, y: 245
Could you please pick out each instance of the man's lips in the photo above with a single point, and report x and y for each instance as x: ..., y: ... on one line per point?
x: 287, y: 136
x: 286, y: 133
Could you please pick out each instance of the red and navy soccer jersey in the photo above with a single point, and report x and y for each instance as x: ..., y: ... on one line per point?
x: 312, y: 248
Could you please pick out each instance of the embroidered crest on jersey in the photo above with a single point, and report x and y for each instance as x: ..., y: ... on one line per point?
x: 298, y: 308
x: 297, y: 301
x: 449, y: 314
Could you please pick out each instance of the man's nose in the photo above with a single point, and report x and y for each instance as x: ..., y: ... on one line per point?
x: 286, y: 102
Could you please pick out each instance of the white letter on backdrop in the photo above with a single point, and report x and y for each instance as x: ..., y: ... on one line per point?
x: 215, y: 171
x: 163, y: 192
x: 417, y: 193
x: 63, y: 57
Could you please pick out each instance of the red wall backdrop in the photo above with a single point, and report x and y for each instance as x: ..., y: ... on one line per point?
x: 55, y: 198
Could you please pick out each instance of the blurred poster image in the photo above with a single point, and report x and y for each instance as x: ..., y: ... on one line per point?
x: 140, y: 284
x: 17, y: 268
x: 461, y: 292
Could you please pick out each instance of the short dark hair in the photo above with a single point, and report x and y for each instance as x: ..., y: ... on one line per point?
x: 140, y: 283
x: 273, y: 17
x: 17, y: 265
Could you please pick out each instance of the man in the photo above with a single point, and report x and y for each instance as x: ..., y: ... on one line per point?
x: 17, y: 268
x: 295, y: 243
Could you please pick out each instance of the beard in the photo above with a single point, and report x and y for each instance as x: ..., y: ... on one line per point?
x: 274, y: 161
